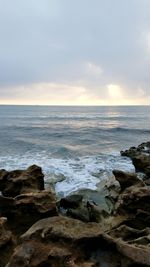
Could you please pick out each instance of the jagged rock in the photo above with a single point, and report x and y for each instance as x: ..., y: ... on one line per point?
x: 63, y: 228
x: 57, y: 241
x: 137, y: 254
x: 141, y: 163
x: 96, y: 213
x: 6, y: 242
x: 26, y: 209
x: 5, y: 235
x: 133, y: 199
x: 126, y: 179
x: 140, y: 157
x: 17, y: 182
x: 142, y: 149
x: 81, y: 213
x: 72, y: 201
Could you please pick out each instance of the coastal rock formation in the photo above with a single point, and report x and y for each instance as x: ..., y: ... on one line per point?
x: 126, y: 179
x: 109, y: 227
x: 26, y: 209
x: 140, y: 157
x: 57, y: 241
x: 18, y: 182
x: 6, y: 242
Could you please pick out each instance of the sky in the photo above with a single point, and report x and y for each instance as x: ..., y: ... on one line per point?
x: 75, y: 52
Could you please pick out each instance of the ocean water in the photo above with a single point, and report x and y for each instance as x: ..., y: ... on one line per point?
x: 77, y: 147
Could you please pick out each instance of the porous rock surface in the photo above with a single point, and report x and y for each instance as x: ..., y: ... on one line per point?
x: 73, y: 232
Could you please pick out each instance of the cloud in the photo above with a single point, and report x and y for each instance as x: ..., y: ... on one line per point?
x: 76, y: 44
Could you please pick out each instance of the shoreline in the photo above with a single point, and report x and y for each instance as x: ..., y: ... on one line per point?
x: 87, y: 229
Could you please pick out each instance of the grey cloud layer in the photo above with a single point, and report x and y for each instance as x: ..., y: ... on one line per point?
x: 54, y: 41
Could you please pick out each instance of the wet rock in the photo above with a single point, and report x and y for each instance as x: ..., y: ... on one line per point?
x: 140, y: 157
x: 72, y: 201
x: 126, y: 179
x: 16, y: 182
x: 26, y: 209
x: 81, y: 213
x: 96, y: 213
x: 142, y: 149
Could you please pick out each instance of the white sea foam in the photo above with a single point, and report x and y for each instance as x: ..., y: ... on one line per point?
x: 78, y: 173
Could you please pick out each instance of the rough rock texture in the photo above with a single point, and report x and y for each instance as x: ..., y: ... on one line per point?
x: 140, y: 157
x: 126, y: 179
x: 5, y: 235
x: 134, y: 199
x: 27, y: 208
x: 6, y: 242
x: 57, y: 241
x: 18, y: 182
x: 109, y: 227
x: 72, y: 201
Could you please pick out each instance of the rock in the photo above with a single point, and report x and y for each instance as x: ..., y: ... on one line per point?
x: 96, y: 213
x: 6, y: 242
x: 56, y: 241
x: 26, y: 209
x: 5, y: 235
x: 126, y: 179
x: 133, y: 199
x: 141, y: 163
x: 81, y: 213
x: 142, y: 149
x: 140, y: 157
x: 72, y: 201
x: 63, y: 228
x: 131, y: 244
x: 17, y: 182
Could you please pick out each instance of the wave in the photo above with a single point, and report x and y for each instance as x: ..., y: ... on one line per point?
x: 132, y: 130
x: 78, y: 173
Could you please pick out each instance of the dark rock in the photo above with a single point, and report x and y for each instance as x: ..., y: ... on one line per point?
x: 17, y: 182
x: 56, y: 241
x: 26, y: 209
x: 81, y: 213
x: 72, y: 201
x: 96, y: 213
x: 140, y: 157
x: 126, y: 179
x: 141, y: 163
x: 5, y: 235
x: 6, y: 242
x: 133, y: 199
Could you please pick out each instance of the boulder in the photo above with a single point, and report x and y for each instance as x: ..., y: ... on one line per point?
x: 5, y: 235
x: 140, y: 157
x: 141, y: 163
x: 126, y: 179
x: 81, y: 213
x: 26, y: 209
x: 56, y: 241
x: 17, y: 182
x: 6, y: 242
x: 133, y: 199
x: 71, y: 201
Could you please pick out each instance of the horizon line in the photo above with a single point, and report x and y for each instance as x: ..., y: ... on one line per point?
x: 58, y: 105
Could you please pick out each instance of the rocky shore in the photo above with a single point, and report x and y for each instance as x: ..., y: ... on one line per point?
x: 38, y: 230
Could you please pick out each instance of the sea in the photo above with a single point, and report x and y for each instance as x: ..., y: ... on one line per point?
x: 76, y: 146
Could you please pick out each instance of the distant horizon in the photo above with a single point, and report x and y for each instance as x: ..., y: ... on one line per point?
x: 42, y: 105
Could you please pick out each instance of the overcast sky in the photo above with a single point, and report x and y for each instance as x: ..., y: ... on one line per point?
x: 75, y: 52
